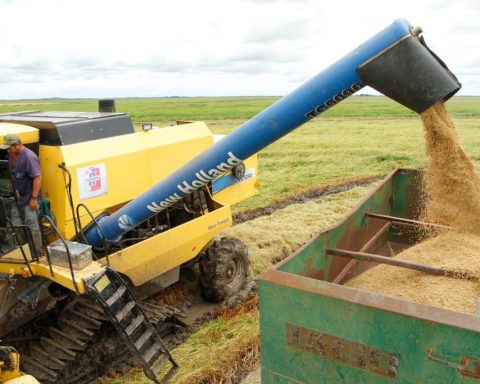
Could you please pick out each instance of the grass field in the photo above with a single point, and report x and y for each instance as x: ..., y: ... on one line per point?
x: 230, y: 108
x: 362, y: 136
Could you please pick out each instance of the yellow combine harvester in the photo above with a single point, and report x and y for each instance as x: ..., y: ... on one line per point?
x: 92, y: 164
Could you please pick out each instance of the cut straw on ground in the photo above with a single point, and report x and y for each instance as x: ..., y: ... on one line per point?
x: 271, y: 238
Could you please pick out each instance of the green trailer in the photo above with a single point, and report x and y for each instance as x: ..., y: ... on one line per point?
x: 316, y: 330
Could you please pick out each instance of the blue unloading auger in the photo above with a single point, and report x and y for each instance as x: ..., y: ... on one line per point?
x: 395, y: 62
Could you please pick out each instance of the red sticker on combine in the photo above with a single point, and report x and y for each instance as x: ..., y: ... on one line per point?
x: 92, y: 181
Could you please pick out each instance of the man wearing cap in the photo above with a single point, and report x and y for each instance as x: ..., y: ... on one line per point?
x: 24, y: 168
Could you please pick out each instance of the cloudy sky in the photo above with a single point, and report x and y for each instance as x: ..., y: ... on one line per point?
x: 117, y: 48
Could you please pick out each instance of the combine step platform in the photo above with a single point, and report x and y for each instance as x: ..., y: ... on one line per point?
x: 132, y: 324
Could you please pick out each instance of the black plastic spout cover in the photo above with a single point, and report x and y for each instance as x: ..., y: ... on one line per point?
x: 411, y: 74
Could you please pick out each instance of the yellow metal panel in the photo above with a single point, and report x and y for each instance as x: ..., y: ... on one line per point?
x: 169, y: 148
x: 61, y: 275
x: 17, y: 254
x: 27, y: 134
x: 53, y: 185
x: 242, y: 190
x: 8, y: 375
x: 123, y: 158
x: 161, y: 253
x: 133, y: 163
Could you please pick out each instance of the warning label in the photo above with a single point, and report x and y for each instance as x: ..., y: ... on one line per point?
x: 92, y: 181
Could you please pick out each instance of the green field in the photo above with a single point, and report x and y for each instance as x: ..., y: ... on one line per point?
x: 218, y: 108
x: 362, y: 136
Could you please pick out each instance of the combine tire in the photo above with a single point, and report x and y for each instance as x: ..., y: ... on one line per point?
x: 223, y: 269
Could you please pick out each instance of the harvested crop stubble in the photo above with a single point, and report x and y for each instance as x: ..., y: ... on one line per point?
x: 271, y: 238
x: 223, y: 350
x: 452, y: 197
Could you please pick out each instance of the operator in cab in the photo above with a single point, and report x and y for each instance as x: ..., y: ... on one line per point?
x: 24, y: 167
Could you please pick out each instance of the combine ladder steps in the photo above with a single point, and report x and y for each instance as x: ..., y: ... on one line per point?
x: 132, y: 324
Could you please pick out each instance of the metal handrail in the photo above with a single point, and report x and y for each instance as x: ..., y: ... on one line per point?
x: 69, y: 258
x: 95, y: 221
x: 19, y: 245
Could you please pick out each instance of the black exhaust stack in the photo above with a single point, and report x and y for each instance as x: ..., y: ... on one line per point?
x: 106, y: 105
x: 419, y: 78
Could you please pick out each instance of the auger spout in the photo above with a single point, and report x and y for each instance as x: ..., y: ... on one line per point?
x: 396, y: 62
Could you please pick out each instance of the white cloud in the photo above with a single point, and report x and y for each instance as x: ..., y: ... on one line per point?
x: 63, y: 48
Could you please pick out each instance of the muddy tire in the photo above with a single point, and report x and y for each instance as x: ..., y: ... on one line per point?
x: 223, y: 269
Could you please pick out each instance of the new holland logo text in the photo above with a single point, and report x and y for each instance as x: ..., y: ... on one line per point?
x: 202, y: 178
x: 334, y: 100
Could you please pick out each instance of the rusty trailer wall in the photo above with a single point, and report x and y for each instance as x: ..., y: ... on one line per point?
x: 396, y: 196
x: 315, y: 330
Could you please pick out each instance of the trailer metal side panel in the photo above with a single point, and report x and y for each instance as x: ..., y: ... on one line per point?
x: 315, y: 331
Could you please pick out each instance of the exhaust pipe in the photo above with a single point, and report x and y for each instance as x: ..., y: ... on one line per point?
x: 106, y: 105
x: 396, y: 62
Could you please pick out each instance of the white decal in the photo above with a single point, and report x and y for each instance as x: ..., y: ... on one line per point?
x: 126, y: 222
x: 92, y: 181
x: 202, y: 178
x: 248, y: 175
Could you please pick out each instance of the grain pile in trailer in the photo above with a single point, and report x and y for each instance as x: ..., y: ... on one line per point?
x: 452, y: 197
